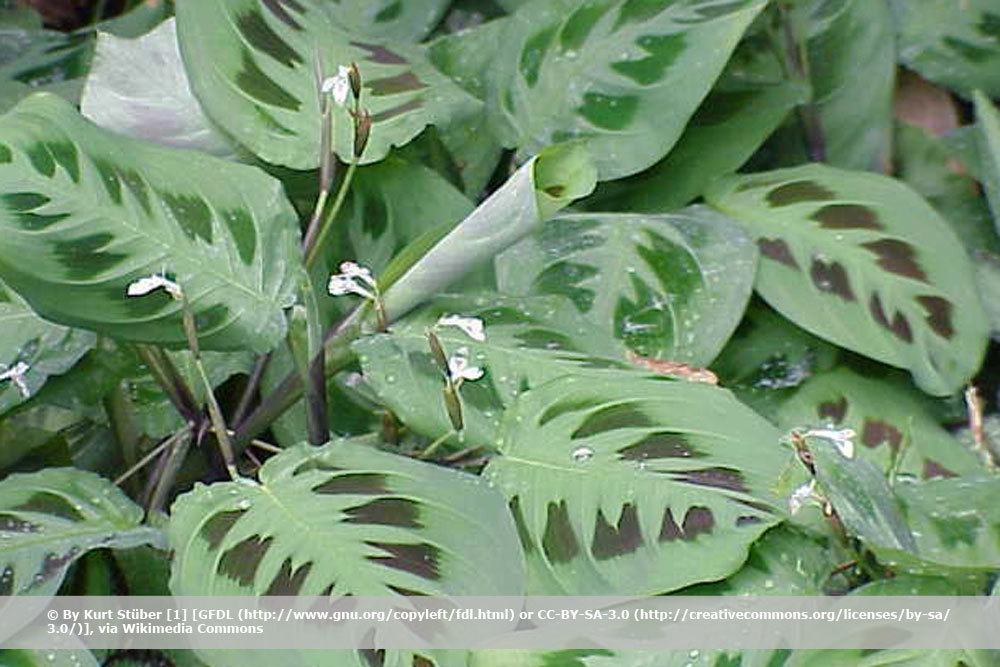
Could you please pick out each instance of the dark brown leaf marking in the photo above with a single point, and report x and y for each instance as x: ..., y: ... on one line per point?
x: 214, y: 530
x: 846, y: 216
x: 567, y: 407
x: 897, y: 257
x: 559, y: 542
x: 900, y: 326
x: 263, y: 37
x: 833, y: 410
x: 277, y: 7
x: 659, y: 446
x: 253, y: 81
x: 752, y: 504
x: 6, y: 155
x: 240, y: 563
x: 380, y: 54
x: 938, y: 315
x: 832, y: 279
x: 779, y: 251
x: 13, y: 524
x: 933, y: 469
x: 875, y: 432
x: 798, y: 192
x: 747, y: 521
x: 287, y: 582
x: 44, y: 502
x: 54, y: 564
x: 419, y: 559
x: 522, y: 529
x: 610, y: 541
x: 362, y: 484
x: 401, y: 512
x: 393, y: 85
x: 719, y: 478
x: 383, y: 116
x: 697, y: 521
x: 611, y: 418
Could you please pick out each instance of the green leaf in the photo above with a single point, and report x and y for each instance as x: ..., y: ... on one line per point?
x: 954, y: 522
x: 668, y: 286
x: 252, y: 64
x: 43, y: 59
x: 861, y: 260
x: 138, y: 87
x: 952, y: 44
x: 861, y: 497
x: 377, y: 524
x: 528, y: 341
x: 94, y: 212
x: 635, y: 487
x: 729, y: 126
x: 885, y: 414
x: 785, y: 561
x: 391, y: 204
x: 623, y: 76
x: 388, y: 20
x: 42, y: 658
x: 50, y: 518
x: 852, y: 61
x: 988, y: 281
x: 537, y: 191
x: 988, y: 124
x: 47, y: 348
x: 598, y: 657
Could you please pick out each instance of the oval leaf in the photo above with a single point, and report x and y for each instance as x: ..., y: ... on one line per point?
x: 94, y: 212
x: 252, y: 64
x: 668, y: 286
x: 863, y: 261
x: 635, y: 487
x: 624, y: 76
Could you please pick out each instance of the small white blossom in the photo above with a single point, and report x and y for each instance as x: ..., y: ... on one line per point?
x: 472, y: 326
x: 801, y: 496
x: 150, y: 284
x: 15, y: 375
x: 459, y: 369
x: 347, y: 281
x: 339, y: 86
x: 842, y: 438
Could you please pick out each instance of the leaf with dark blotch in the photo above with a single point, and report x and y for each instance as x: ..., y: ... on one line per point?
x: 665, y: 484
x: 888, y: 278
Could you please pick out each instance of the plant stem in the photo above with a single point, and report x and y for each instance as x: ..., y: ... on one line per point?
x: 796, y: 63
x: 336, y: 348
x: 168, y: 473
x: 171, y: 381
x: 253, y: 383
x: 312, y: 250
x: 432, y: 448
x: 119, y: 410
x: 156, y: 451
x: 214, y: 412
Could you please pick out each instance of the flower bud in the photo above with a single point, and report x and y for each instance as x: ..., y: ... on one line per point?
x: 362, y: 130
x: 354, y: 75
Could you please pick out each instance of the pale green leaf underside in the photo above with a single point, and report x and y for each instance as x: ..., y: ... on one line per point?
x: 84, y: 213
x: 50, y: 518
x: 956, y: 44
x: 624, y: 76
x: 886, y: 416
x: 636, y: 487
x: 668, y: 286
x: 863, y: 261
x: 47, y: 348
x: 253, y: 66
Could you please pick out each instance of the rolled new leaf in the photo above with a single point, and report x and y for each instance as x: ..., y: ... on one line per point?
x: 544, y: 185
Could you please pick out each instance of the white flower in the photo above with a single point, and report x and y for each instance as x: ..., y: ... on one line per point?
x: 346, y: 282
x: 339, y: 86
x: 842, y: 438
x: 149, y: 284
x: 15, y: 375
x: 472, y: 326
x: 459, y: 369
x: 801, y: 496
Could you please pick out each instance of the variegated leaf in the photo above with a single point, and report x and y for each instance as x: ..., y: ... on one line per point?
x: 84, y: 213
x: 668, y: 286
x: 388, y: 20
x: 625, y: 76
x: 863, y: 261
x: 253, y: 65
